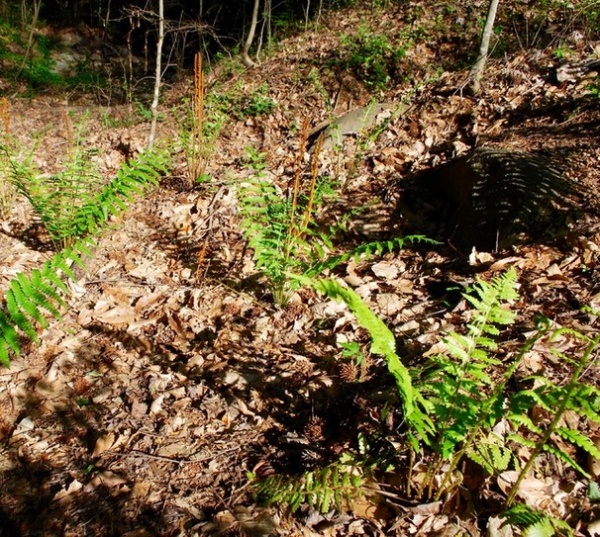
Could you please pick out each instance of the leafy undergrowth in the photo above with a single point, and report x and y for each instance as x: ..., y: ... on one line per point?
x: 173, y: 376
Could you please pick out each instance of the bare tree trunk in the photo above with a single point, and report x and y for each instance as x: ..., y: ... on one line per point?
x: 157, y: 72
x: 477, y: 69
x: 268, y: 11
x: 36, y: 11
x: 105, y: 20
x: 5, y: 10
x: 265, y: 26
x: 306, y: 13
x: 248, y: 62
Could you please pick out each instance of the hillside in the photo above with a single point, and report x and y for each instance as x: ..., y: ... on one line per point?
x: 174, y: 371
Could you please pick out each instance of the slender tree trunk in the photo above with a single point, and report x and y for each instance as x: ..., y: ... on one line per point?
x: 36, y: 11
x: 248, y: 62
x: 306, y: 14
x: 157, y: 72
x: 105, y: 20
x: 477, y: 69
x: 265, y: 27
x: 268, y: 11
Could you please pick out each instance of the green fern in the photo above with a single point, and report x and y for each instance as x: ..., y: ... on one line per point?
x: 365, y: 252
x: 468, y: 393
x: 336, y: 485
x: 30, y: 298
x: 465, y: 400
x: 460, y: 383
x: 491, y: 452
x: 287, y: 243
x: 556, y: 399
x: 383, y: 343
x: 73, y: 203
x: 70, y: 212
x: 282, y: 233
x: 536, y: 523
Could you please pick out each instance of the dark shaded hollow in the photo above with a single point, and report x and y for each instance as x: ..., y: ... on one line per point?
x: 488, y: 199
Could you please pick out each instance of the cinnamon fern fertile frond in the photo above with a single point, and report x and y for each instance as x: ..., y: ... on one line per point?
x: 281, y: 230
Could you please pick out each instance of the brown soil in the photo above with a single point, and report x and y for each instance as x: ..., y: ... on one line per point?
x: 172, y: 374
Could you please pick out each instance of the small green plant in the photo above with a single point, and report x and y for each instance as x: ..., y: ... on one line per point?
x: 205, y: 115
x: 290, y: 248
x: 351, y: 350
x: 74, y: 202
x: 144, y: 112
x: 284, y: 239
x: 371, y: 56
x: 255, y: 160
x: 280, y: 228
x: 536, y: 523
x: 336, y: 485
x: 313, y: 79
x: 594, y: 87
x: 562, y: 51
x: 30, y: 298
x: 468, y: 389
x: 571, y: 394
x: 258, y: 103
x: 374, y: 58
x: 34, y: 66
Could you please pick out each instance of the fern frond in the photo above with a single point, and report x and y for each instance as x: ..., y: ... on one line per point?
x: 335, y: 485
x: 580, y: 440
x: 491, y: 453
x: 460, y: 385
x: 284, y: 239
x: 73, y: 203
x: 565, y: 457
x: 9, y: 339
x: 557, y: 399
x: 465, y: 399
x: 18, y: 317
x: 536, y: 523
x: 366, y: 252
x: 29, y: 298
x: 383, y: 342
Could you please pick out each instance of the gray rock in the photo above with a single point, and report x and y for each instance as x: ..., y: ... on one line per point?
x: 353, y: 123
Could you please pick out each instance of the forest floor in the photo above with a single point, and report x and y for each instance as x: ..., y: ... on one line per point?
x: 172, y: 374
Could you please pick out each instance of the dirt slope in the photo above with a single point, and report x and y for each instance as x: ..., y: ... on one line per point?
x: 172, y: 374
